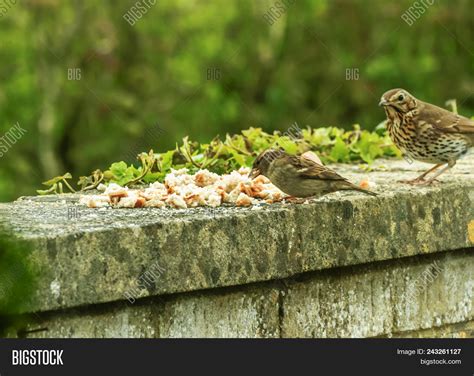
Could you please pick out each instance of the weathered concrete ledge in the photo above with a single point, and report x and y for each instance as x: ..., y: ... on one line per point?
x: 358, y: 301
x: 89, y: 256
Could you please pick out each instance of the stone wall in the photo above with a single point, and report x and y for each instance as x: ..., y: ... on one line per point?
x: 345, y: 265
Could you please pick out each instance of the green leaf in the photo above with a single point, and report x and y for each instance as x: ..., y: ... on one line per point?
x: 369, y: 147
x: 57, y: 179
x: 288, y: 144
x: 122, y: 174
x: 340, y: 151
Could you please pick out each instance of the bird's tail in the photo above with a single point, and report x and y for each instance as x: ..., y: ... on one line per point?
x: 353, y: 187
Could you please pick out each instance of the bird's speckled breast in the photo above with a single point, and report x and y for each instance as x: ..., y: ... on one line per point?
x: 421, y: 141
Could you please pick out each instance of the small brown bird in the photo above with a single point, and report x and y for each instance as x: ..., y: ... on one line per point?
x: 300, y: 176
x: 425, y: 132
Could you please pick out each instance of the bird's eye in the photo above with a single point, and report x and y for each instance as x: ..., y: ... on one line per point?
x: 401, y: 97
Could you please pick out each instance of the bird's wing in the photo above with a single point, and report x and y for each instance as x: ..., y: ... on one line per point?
x: 446, y: 121
x: 309, y: 169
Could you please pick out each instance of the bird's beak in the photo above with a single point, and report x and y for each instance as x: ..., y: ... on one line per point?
x: 383, y: 102
x: 254, y: 173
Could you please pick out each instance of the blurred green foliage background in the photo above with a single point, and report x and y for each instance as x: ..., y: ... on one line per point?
x: 91, y: 89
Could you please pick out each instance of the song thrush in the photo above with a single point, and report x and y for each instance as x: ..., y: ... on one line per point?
x: 426, y: 132
x: 300, y: 176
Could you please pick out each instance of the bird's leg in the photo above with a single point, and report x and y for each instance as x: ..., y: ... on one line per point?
x: 294, y: 200
x: 432, y: 179
x: 420, y: 180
